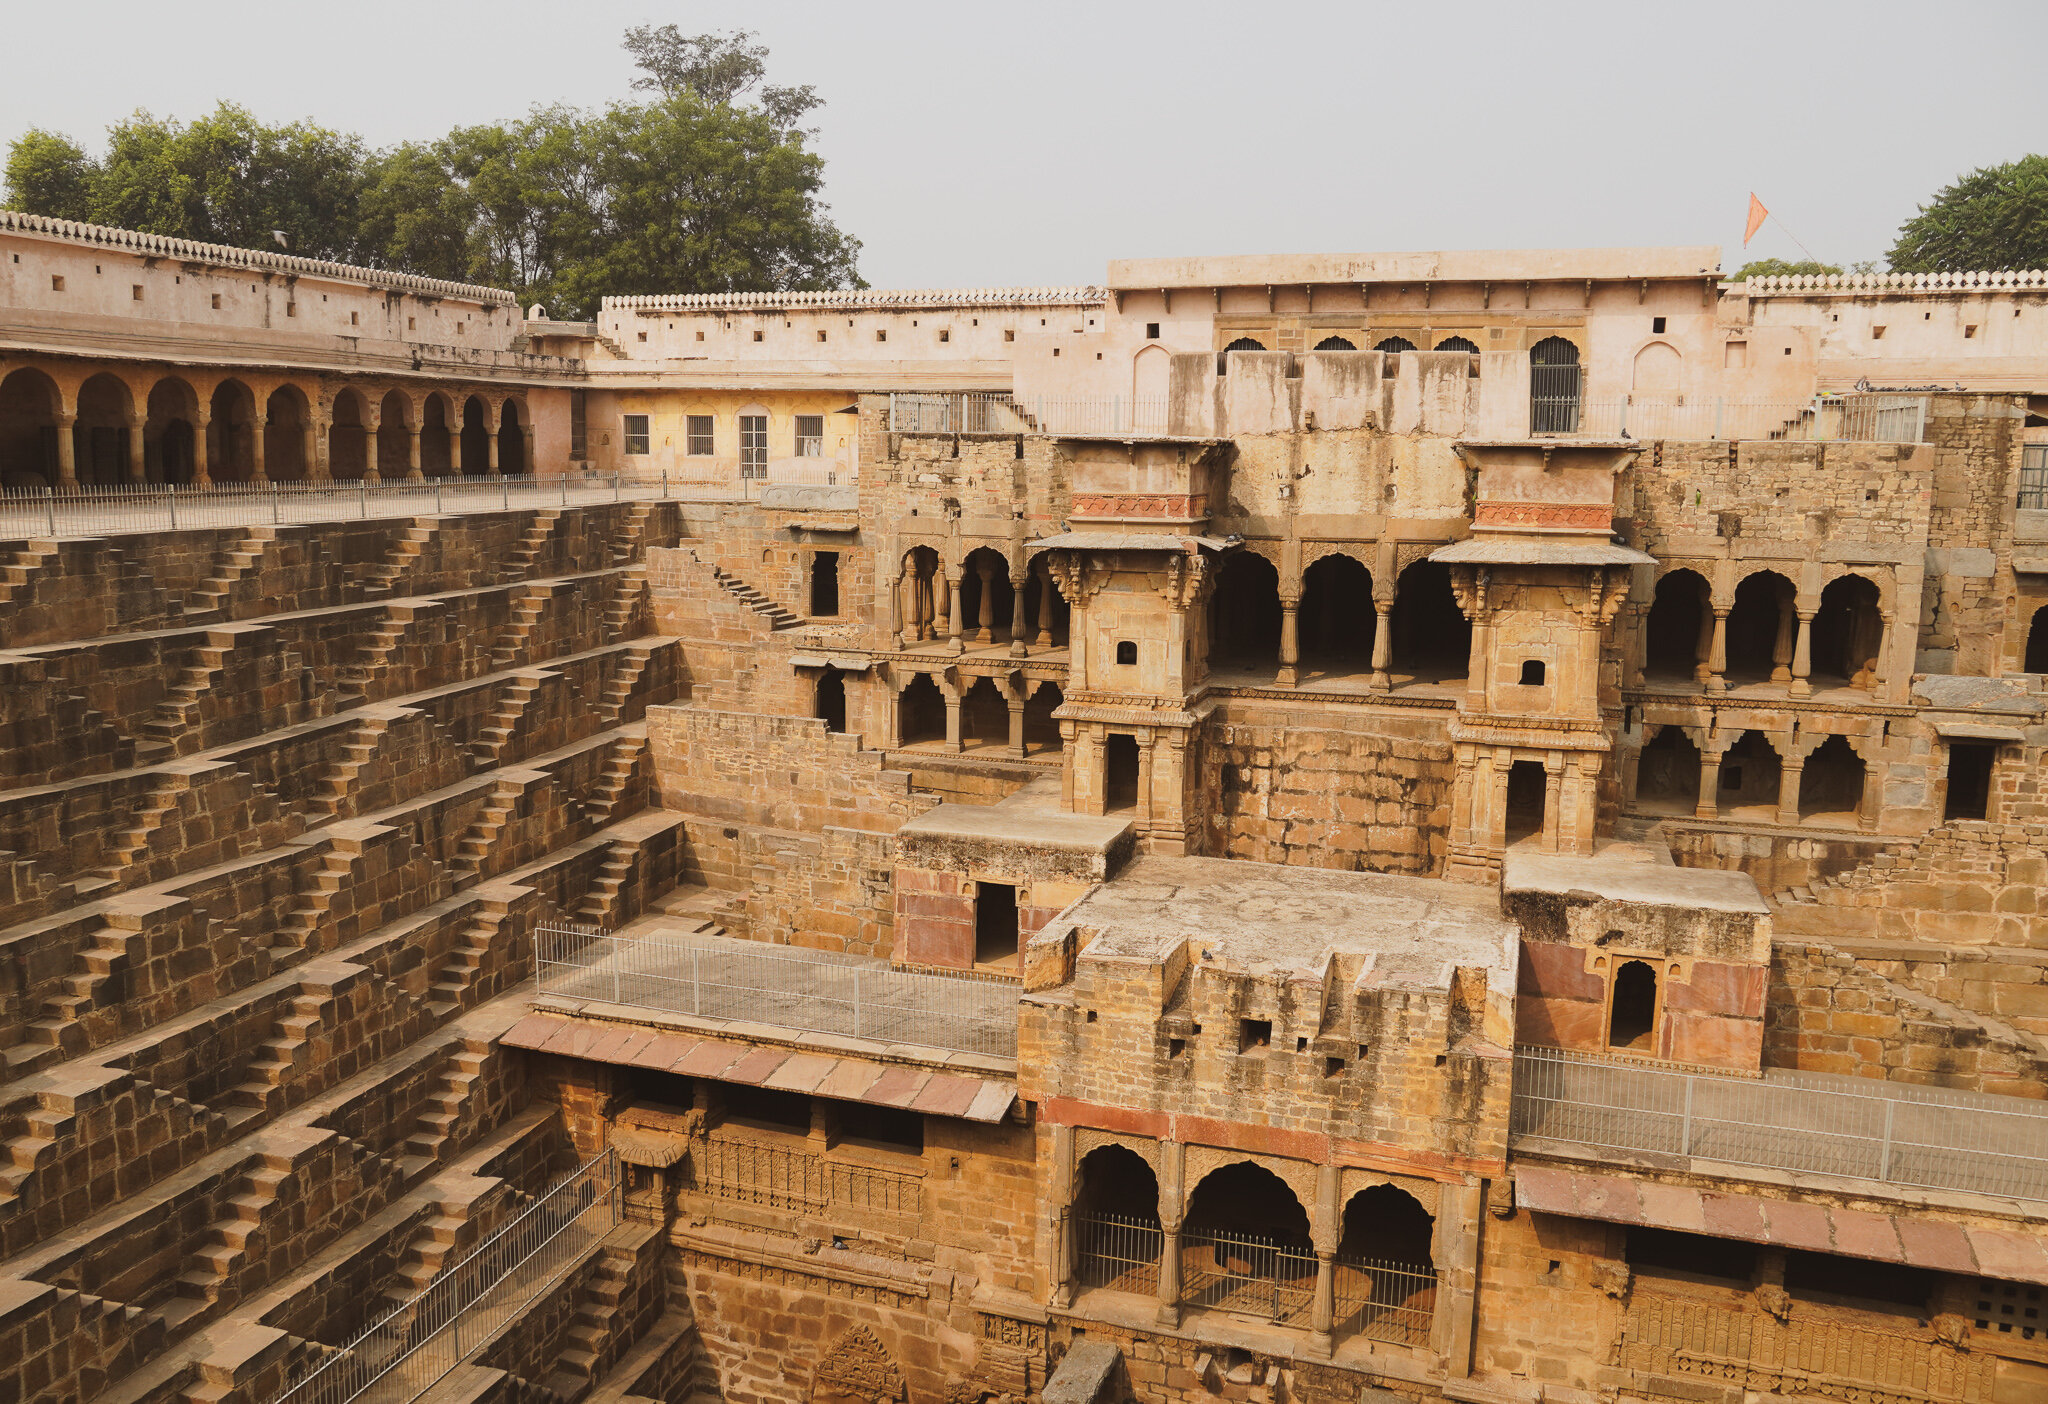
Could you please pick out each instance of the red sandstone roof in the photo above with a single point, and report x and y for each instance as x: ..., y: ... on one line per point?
x: 839, y: 1076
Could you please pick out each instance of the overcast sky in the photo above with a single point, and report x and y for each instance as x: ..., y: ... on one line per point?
x: 1031, y: 143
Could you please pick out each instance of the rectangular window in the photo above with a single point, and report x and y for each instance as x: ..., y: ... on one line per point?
x: 697, y: 435
x: 56, y: 282
x: 579, y: 425
x: 810, y: 436
x: 216, y: 302
x: 636, y: 433
x: 753, y: 446
x: 137, y: 291
x: 1970, y: 767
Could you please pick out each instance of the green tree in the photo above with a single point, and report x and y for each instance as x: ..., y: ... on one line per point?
x: 1994, y: 218
x: 50, y: 175
x: 1780, y: 268
x: 415, y: 216
x: 717, y: 68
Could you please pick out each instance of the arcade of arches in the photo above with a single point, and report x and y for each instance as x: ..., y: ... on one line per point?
x: 63, y: 426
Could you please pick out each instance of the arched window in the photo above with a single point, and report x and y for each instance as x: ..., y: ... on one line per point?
x: 831, y: 700
x: 1116, y: 1223
x: 1337, y: 618
x: 2037, y: 642
x: 1244, y: 614
x: 1680, y: 628
x: 984, y: 715
x: 1750, y: 772
x: 1244, y: 343
x: 1526, y: 795
x: 1761, y: 629
x: 28, y: 429
x: 921, y: 711
x: 1432, y: 637
x: 1247, y: 1247
x: 1831, y: 783
x: 1553, y: 387
x: 1394, y: 344
x: 1532, y: 672
x: 1334, y: 343
x: 1632, y: 1014
x: 1458, y: 343
x: 1119, y: 773
x: 1668, y: 773
x: 1848, y: 632
x: 1385, y: 1275
x: 1041, y: 732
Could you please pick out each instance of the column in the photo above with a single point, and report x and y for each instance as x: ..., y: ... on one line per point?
x: 1703, y: 650
x: 1325, y: 1228
x: 1017, y: 727
x: 1781, y: 646
x: 413, y: 471
x: 1145, y: 781
x: 1710, y: 785
x: 953, y: 742
x: 256, y: 470
x: 986, y: 632
x: 1170, y: 1212
x: 458, y: 459
x: 526, y: 433
x: 67, y: 451
x: 1496, y: 838
x: 1881, y: 670
x: 1018, y: 584
x: 1553, y: 791
x: 491, y: 452
x: 1061, y: 1205
x: 1789, y: 771
x: 1382, y: 645
x: 1321, y: 1340
x: 1045, y: 609
x: 370, y: 469
x: 954, y: 626
x: 1290, y: 641
x: 138, y: 463
x: 1717, y: 654
x: 1067, y: 763
x: 1077, y: 645
x: 313, y: 436
x: 896, y: 607
x: 1802, y: 656
x: 202, y: 474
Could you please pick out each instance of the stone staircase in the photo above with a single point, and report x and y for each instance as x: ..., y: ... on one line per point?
x: 214, y: 598
x: 519, y: 560
x: 600, y: 905
x: 620, y: 617
x: 67, y: 1025
x: 488, y: 749
x: 513, y: 644
x: 359, y: 677
x: 226, y: 1248
x: 476, y: 845
x: 778, y: 618
x: 17, y: 576
x: 456, y: 977
x: 382, y: 580
x: 333, y: 791
x: 434, y: 1130
x: 176, y: 723
x: 264, y: 1092
x: 618, y: 694
x: 596, y: 1331
x: 630, y: 544
x: 619, y: 770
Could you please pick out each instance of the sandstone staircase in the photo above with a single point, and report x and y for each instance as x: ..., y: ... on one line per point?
x: 176, y: 722
x: 383, y: 579
x: 512, y: 645
x: 246, y: 554
x: 598, y: 1325
x: 618, y: 694
x: 226, y: 1247
x: 619, y: 770
x: 456, y: 977
x: 17, y: 576
x: 489, y: 747
x: 519, y: 560
x: 778, y: 618
x: 435, y: 1127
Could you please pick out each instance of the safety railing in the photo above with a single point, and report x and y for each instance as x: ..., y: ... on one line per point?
x: 777, y: 1177
x: 408, y: 1351
x: 1248, y: 1275
x: 978, y: 412
x: 2034, y: 477
x: 1828, y: 418
x: 1852, y: 1128
x: 1384, y: 1301
x: 1116, y: 1251
x: 815, y: 991
x: 113, y: 508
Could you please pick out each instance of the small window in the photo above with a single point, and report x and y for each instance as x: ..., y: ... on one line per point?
x: 216, y: 302
x: 1634, y: 1014
x: 1694, y: 1254
x: 291, y: 309
x: 1254, y: 1035
x: 753, y: 446
x: 1333, y: 1067
x: 810, y: 436
x: 1969, y: 331
x: 821, y: 334
x: 353, y: 320
x: 1152, y: 331
x: 636, y: 433
x: 760, y: 336
x: 881, y: 334
x: 1970, y: 765
x: 1126, y: 652
x: 411, y: 323
x: 135, y: 292
x: 1863, y: 1280
x: 881, y: 1128
x: 1009, y: 335
x: 56, y: 282
x: 1656, y: 326
x: 766, y: 1109
x: 945, y: 335
x: 643, y: 336
x: 825, y: 583
x: 697, y: 435
x: 1877, y: 333
x: 995, y: 923
x: 1532, y: 672
x: 700, y: 336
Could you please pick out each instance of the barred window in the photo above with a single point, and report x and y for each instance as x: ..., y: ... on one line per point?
x: 753, y: 446
x: 810, y: 436
x: 697, y: 434
x: 636, y: 433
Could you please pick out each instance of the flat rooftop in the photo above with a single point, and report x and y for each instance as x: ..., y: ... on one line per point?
x: 1624, y: 878
x: 1438, y: 266
x: 1264, y: 918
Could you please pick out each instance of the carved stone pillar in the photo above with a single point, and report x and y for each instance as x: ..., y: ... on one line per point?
x: 257, y: 427
x: 1703, y: 650
x: 1553, y: 793
x: 1781, y: 646
x: 1171, y: 1209
x: 953, y: 741
x: 1324, y: 1319
x: 202, y: 474
x: 1802, y: 656
x: 138, y: 463
x: 1045, y: 609
x: 985, y: 622
x: 1290, y: 642
x: 371, y: 472
x: 1789, y: 772
x: 1145, y: 781
x: 1017, y: 587
x: 67, y: 451
x: 312, y: 436
x: 413, y: 471
x: 955, y: 626
x: 1717, y: 654
x: 1880, y: 672
x: 1382, y: 645
x: 896, y: 607
x: 526, y: 433
x: 1710, y: 786
x: 1017, y: 727
x: 491, y: 452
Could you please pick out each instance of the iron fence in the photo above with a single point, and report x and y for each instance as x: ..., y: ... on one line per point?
x: 975, y: 412
x: 778, y: 1177
x: 405, y: 1353
x: 1826, y: 418
x: 817, y: 991
x: 1117, y: 1251
x: 1248, y: 1275
x: 2034, y: 477
x: 1891, y: 1133
x: 1384, y: 1301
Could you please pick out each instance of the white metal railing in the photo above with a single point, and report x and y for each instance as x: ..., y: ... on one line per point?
x: 137, y: 507
x: 405, y: 1353
x: 1853, y: 1128
x: 785, y: 986
x: 983, y: 412
x: 1829, y: 418
x: 2034, y: 477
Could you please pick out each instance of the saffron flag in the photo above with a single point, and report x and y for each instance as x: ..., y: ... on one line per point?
x: 1757, y: 215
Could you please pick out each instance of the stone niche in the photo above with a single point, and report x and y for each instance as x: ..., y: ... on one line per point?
x: 1640, y: 958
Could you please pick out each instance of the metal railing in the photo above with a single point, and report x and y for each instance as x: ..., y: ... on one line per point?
x: 2034, y: 477
x: 981, y: 412
x: 405, y: 1353
x: 112, y: 508
x: 1853, y: 1128
x: 785, y: 986
x: 1826, y: 418
x: 1384, y: 1301
x: 1248, y: 1275
x: 1117, y: 1251
x: 777, y: 1177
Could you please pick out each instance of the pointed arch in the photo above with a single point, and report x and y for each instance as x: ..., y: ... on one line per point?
x: 30, y: 403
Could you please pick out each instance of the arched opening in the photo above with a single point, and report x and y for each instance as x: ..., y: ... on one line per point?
x: 1632, y: 1013
x: 1532, y: 673
x: 1761, y: 627
x: 1432, y: 637
x: 995, y: 925
x: 231, y: 433
x: 1386, y: 1276
x: 1119, y: 773
x: 1668, y: 773
x: 476, y: 437
x: 2036, y: 657
x: 829, y: 702
x: 1658, y: 369
x: 28, y: 429
x: 1848, y: 631
x: 1679, y: 629
x: 1750, y: 772
x: 1244, y: 614
x: 923, y: 585
x: 1116, y: 1218
x: 348, y: 437
x: 171, y: 452
x: 984, y: 715
x: 1393, y: 345
x: 286, y: 417
x: 921, y: 712
x: 1045, y: 609
x: 100, y: 438
x: 1245, y: 343
x: 1337, y: 621
x: 394, y: 436
x: 1245, y: 1246
x: 824, y: 584
x: 1831, y: 784
x: 1526, y: 788
x: 1553, y: 387
x: 1335, y: 343
x: 1041, y: 732
x: 437, y: 437
x: 1152, y: 380
x: 511, y: 440
x: 986, y: 596
x: 1458, y: 343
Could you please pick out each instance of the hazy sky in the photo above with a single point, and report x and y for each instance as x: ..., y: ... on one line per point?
x: 1031, y: 143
